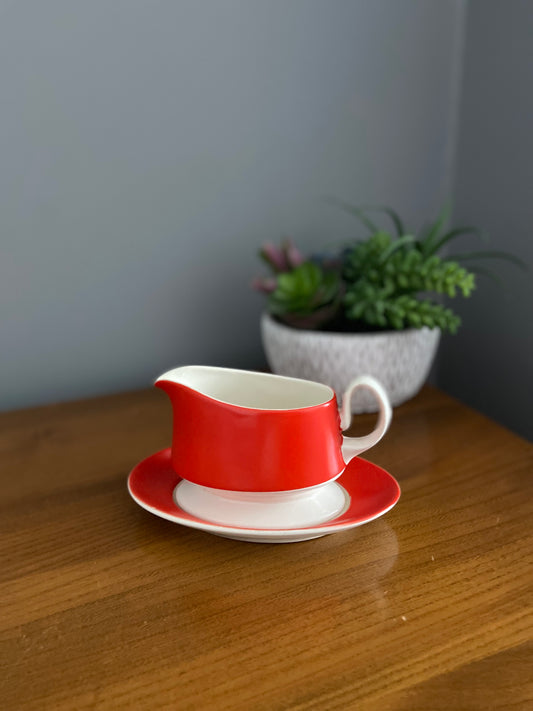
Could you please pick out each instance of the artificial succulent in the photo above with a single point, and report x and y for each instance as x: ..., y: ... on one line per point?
x: 382, y: 282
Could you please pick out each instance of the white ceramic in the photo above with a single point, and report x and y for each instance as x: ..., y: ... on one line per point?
x: 400, y: 360
x: 278, y: 509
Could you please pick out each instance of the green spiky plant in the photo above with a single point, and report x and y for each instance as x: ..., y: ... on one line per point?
x: 381, y: 283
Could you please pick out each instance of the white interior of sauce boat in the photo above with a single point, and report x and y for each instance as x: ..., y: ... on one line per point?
x: 262, y: 391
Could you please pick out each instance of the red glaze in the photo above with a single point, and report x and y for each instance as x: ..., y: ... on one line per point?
x: 371, y: 490
x: 237, y: 448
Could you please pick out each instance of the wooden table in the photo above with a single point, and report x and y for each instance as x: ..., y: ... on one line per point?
x: 105, y: 606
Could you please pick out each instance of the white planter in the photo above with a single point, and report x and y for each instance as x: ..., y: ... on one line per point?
x: 400, y: 360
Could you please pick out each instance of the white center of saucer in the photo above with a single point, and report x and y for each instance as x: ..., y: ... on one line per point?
x: 262, y: 510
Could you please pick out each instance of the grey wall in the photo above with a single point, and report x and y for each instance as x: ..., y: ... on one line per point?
x: 489, y: 363
x: 148, y: 148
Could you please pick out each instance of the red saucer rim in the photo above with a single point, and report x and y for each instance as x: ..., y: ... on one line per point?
x: 342, y: 522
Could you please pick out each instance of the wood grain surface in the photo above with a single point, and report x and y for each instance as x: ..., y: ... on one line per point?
x: 105, y: 606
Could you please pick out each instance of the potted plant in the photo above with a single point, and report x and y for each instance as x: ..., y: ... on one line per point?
x: 375, y: 307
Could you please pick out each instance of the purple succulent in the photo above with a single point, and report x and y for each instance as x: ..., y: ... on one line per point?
x: 281, y: 259
x: 274, y: 257
x: 293, y: 255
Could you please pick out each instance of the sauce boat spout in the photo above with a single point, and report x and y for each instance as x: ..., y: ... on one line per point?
x: 179, y: 381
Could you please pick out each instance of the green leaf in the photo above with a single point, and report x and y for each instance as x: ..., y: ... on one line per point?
x: 398, y: 224
x: 492, y: 254
x: 403, y: 281
x: 452, y: 234
x: 305, y: 291
x: 397, y: 323
x: 488, y: 273
x: 427, y: 244
x: 396, y: 245
x: 357, y: 211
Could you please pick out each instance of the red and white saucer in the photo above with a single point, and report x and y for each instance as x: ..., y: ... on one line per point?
x: 369, y: 493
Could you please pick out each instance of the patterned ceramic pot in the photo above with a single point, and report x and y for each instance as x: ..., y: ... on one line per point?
x: 400, y: 360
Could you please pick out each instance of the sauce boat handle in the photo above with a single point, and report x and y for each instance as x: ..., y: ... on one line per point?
x: 352, y: 446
